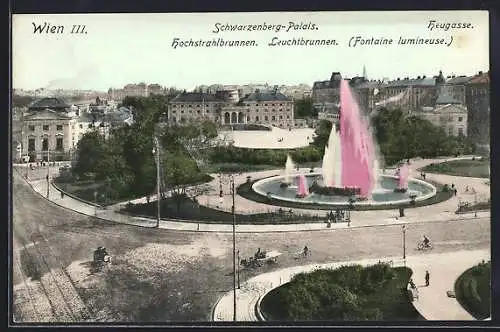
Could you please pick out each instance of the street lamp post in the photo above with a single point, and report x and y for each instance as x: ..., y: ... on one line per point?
x: 156, y: 151
x: 238, y: 253
x: 234, y: 247
x: 475, y: 204
x: 404, y: 244
x: 48, y: 172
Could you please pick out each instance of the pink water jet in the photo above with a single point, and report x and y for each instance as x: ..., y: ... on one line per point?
x: 356, y: 145
x: 302, y: 187
x: 403, y: 174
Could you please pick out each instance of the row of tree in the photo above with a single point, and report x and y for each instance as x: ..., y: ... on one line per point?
x: 263, y: 156
x: 126, y: 160
x: 401, y: 137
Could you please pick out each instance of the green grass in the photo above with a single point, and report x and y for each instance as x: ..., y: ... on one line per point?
x: 85, y: 189
x: 245, y: 190
x: 189, y: 210
x: 469, y: 168
x: 350, y: 293
x: 473, y: 290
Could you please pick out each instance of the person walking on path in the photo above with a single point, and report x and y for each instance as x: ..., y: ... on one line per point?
x: 427, y: 276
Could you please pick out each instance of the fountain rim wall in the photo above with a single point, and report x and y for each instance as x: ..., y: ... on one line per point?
x: 357, y: 203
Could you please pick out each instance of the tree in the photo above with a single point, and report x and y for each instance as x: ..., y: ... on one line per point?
x: 179, y: 171
x: 90, y: 150
x: 303, y: 108
x: 322, y: 134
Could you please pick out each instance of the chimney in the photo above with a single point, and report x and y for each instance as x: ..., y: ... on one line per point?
x: 480, y: 72
x: 418, y: 77
x: 397, y: 79
x: 423, y: 76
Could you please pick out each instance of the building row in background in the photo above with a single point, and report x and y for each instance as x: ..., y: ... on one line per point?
x: 51, y: 129
x: 458, y: 104
x: 225, y: 107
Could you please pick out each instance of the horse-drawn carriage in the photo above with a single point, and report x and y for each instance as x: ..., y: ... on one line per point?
x: 260, y: 258
x: 101, y: 258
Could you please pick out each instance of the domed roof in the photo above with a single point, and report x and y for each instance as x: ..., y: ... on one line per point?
x: 51, y: 103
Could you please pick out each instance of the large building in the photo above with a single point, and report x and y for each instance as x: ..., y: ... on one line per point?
x: 448, y: 113
x: 226, y: 108
x: 476, y: 90
x: 50, y: 126
x: 423, y: 96
x: 410, y: 94
x: 135, y: 90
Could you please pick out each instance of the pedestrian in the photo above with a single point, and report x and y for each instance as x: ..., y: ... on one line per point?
x: 427, y: 276
x: 423, y: 175
x: 62, y: 194
x: 455, y: 191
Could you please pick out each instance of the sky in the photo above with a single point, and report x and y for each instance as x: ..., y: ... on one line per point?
x: 117, y: 49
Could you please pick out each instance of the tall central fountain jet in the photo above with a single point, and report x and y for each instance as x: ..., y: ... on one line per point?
x: 349, y: 163
x: 357, y: 146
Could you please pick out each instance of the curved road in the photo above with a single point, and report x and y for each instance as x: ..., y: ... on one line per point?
x: 48, y: 238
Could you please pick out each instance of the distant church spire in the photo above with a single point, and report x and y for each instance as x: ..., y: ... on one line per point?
x: 364, y: 72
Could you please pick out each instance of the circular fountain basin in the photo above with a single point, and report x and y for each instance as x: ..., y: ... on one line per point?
x: 384, y: 193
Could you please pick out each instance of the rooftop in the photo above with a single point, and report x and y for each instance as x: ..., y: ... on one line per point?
x: 480, y: 78
x: 51, y: 103
x: 266, y: 96
x: 459, y: 80
x: 406, y: 82
x: 195, y: 97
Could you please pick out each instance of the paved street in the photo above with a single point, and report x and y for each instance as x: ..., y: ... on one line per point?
x: 431, y: 213
x: 67, y: 239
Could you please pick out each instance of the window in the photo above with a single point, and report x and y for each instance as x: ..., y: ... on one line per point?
x: 59, y: 143
x: 281, y: 117
x: 266, y: 118
x: 460, y: 119
x: 273, y: 118
x: 174, y: 106
x: 31, y: 128
x: 199, y: 111
x: 59, y: 127
x: 45, y: 127
x: 81, y: 126
x: 31, y: 144
x: 288, y: 116
x: 45, y: 144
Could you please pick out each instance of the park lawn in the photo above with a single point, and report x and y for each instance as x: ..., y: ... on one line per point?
x: 86, y: 189
x: 189, y: 210
x: 470, y: 168
x: 388, y: 302
x: 473, y: 290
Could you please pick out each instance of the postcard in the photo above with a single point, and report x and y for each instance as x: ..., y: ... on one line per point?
x: 239, y: 167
